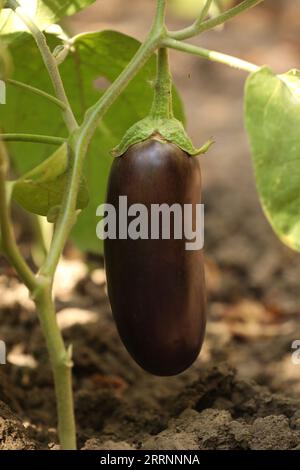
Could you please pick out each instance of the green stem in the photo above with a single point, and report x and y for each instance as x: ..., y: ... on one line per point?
x: 84, y: 135
x: 36, y: 91
x: 214, y: 56
x: 8, y: 244
x: 61, y: 362
x: 49, y: 61
x: 159, y: 19
x: 34, y: 138
x: 198, y: 28
x: 162, y: 102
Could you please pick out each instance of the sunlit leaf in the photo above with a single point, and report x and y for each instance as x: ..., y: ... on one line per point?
x: 273, y: 123
x: 43, y: 12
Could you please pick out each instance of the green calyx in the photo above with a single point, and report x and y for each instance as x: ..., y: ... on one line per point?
x: 161, y: 122
x: 168, y: 129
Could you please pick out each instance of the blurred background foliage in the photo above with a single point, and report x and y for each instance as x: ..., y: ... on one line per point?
x: 189, y: 9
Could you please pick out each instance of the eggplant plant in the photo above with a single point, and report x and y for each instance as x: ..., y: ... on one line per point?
x: 156, y: 287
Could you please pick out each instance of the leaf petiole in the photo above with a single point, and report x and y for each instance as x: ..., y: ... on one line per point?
x: 37, y: 91
x: 213, y: 56
x: 33, y: 138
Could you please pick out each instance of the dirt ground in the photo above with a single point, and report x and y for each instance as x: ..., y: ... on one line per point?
x: 242, y: 392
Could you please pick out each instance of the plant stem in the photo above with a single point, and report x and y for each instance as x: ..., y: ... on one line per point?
x: 162, y: 101
x: 214, y: 56
x: 84, y: 135
x: 34, y: 138
x: 159, y: 19
x: 198, y: 28
x: 61, y: 363
x: 9, y: 246
x: 49, y: 62
x: 36, y: 91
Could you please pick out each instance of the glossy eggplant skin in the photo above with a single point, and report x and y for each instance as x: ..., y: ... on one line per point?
x: 156, y: 287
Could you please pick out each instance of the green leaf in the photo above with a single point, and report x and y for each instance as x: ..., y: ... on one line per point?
x: 96, y: 61
x: 5, y: 64
x: 43, y: 12
x: 272, y: 107
x: 41, y: 189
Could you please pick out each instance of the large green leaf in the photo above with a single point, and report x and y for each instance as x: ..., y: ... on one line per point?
x: 97, y: 59
x: 273, y: 124
x: 43, y: 12
x: 41, y: 189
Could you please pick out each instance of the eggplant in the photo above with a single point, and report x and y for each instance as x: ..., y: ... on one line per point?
x: 156, y: 287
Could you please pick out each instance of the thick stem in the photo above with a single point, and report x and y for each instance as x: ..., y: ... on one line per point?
x: 8, y: 244
x: 200, y: 27
x: 214, y: 56
x: 49, y: 61
x: 33, y: 138
x: 61, y: 362
x: 36, y: 91
x: 162, y: 102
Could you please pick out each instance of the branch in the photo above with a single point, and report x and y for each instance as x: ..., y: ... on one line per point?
x: 159, y: 19
x: 34, y: 138
x: 49, y: 62
x: 9, y: 246
x: 36, y: 91
x: 200, y: 27
x: 214, y: 56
